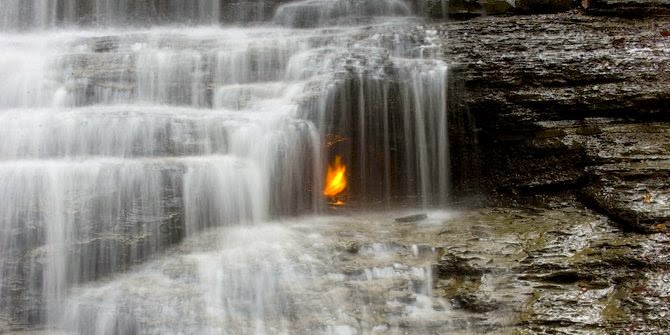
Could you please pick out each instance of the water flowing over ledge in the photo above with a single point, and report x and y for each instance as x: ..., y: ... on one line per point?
x: 120, y: 141
x: 37, y: 14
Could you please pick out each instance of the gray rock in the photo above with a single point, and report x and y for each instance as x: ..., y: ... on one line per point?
x: 464, y: 9
x: 627, y: 8
x: 569, y: 103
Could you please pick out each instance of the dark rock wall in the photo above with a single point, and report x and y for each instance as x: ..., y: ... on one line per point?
x: 571, y: 102
x: 627, y: 8
x: 463, y: 9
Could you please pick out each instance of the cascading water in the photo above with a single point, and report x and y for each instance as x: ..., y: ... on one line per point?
x: 124, y: 134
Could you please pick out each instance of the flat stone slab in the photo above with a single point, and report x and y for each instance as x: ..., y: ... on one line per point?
x: 635, y: 194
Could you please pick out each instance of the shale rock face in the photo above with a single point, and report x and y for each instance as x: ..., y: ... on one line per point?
x: 571, y: 102
x: 460, y: 9
x: 627, y: 8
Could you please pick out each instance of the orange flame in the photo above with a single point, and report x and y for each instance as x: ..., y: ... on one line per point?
x: 336, y: 179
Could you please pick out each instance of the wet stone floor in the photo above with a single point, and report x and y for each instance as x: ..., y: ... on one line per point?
x: 475, y: 271
x: 533, y: 270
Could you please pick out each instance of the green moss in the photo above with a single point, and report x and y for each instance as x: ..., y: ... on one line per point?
x: 613, y: 312
x: 463, y: 285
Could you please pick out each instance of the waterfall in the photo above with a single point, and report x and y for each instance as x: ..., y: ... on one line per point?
x: 311, y: 13
x: 129, y: 126
x: 45, y: 14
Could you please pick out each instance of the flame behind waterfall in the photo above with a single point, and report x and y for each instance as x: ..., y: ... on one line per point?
x: 336, y: 178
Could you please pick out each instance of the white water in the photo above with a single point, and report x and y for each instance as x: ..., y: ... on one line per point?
x: 21, y: 14
x: 119, y: 141
x: 275, y: 278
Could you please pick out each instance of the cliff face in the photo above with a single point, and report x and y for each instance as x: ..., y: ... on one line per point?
x: 572, y: 103
x: 567, y: 110
x: 440, y: 9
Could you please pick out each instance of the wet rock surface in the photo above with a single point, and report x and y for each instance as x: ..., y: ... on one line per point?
x: 560, y: 271
x: 499, y: 270
x: 505, y: 270
x: 570, y: 103
x: 465, y: 9
x: 627, y: 8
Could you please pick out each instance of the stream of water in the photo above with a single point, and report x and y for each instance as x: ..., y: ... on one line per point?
x: 155, y: 156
